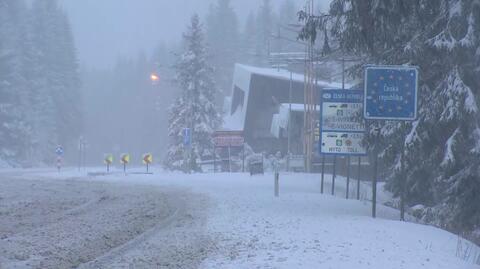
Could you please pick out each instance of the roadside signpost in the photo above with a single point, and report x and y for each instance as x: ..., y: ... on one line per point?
x: 228, y: 140
x: 391, y: 93
x: 59, y: 152
x: 125, y: 159
x: 187, y: 137
x: 342, y: 129
x: 108, y: 160
x: 187, y: 143
x: 82, y: 152
x: 147, y: 160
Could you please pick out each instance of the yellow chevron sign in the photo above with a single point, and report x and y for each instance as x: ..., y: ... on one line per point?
x: 125, y: 158
x: 147, y: 158
x: 108, y: 159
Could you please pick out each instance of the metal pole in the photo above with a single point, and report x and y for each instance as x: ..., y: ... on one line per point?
x: 374, y: 188
x: 358, y: 177
x: 79, y: 155
x: 289, y: 120
x: 375, y: 171
x: 229, y: 160
x: 84, y: 155
x: 323, y: 172
x: 348, y: 176
x: 334, y: 174
x: 214, y: 159
x: 403, y: 186
x: 243, y: 158
x: 277, y: 184
x: 343, y: 72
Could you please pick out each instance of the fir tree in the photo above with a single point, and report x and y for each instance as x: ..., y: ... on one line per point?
x: 223, y: 38
x: 54, y: 79
x: 248, y: 38
x: 14, y: 128
x: 195, y: 108
x: 265, y: 22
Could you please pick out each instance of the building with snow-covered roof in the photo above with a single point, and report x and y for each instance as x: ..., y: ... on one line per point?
x: 259, y: 95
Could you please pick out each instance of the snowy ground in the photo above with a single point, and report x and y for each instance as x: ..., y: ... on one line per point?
x: 169, y: 220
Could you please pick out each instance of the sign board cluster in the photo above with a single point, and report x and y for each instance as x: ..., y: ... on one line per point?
x: 225, y: 139
x: 390, y: 94
x: 342, y: 128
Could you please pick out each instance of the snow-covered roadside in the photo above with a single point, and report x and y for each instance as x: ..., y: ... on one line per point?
x: 249, y: 228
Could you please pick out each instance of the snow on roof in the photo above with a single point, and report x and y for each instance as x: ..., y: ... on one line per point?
x: 242, y: 79
x: 285, y: 75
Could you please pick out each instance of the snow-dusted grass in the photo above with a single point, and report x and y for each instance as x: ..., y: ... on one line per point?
x: 302, y: 228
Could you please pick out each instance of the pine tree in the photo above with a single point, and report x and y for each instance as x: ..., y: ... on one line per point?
x: 55, y: 80
x: 265, y: 22
x: 223, y: 38
x: 14, y: 129
x: 248, y: 39
x: 195, y: 108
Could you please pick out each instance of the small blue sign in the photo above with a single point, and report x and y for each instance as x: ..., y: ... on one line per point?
x: 59, y: 151
x: 391, y: 93
x: 187, y: 137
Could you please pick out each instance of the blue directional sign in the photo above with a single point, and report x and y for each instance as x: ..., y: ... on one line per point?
x: 342, y: 128
x: 391, y: 93
x: 187, y: 137
x: 59, y: 151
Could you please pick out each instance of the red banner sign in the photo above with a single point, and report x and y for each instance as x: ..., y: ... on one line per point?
x: 228, y: 139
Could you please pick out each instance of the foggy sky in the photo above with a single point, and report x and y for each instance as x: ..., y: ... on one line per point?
x: 106, y: 29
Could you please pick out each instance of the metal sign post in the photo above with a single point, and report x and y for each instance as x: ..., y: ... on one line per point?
x: 108, y: 160
x: 59, y: 151
x: 187, y: 143
x: 125, y: 159
x: 348, y: 177
x: 358, y: 176
x: 147, y: 160
x: 391, y: 93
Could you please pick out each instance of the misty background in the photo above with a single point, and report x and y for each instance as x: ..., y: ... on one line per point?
x: 107, y: 29
x: 121, y: 43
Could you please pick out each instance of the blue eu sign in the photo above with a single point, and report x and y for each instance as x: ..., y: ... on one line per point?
x: 391, y: 93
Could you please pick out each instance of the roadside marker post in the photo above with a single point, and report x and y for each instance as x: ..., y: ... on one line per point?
x: 147, y: 160
x: 391, y: 93
x: 187, y: 143
x: 108, y: 160
x: 125, y: 159
x: 358, y: 177
x: 59, y: 151
x: 348, y: 177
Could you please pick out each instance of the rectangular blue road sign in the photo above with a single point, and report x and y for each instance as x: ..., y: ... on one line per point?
x: 391, y: 93
x: 342, y: 127
x: 187, y: 137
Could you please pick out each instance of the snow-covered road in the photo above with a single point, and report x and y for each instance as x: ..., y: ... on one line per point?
x: 76, y: 223
x: 172, y: 220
